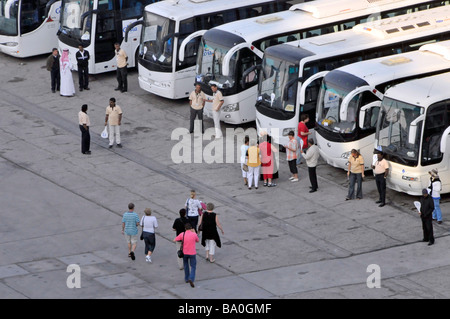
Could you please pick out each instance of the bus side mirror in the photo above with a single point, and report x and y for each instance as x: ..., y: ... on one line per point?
x: 249, y: 75
x: 363, y: 112
x: 287, y: 88
x: 444, y: 140
x: 413, y: 129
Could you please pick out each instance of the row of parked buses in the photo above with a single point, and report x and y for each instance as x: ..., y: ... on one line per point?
x: 369, y: 73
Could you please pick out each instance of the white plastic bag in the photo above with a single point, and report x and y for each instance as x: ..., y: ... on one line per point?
x: 105, y: 132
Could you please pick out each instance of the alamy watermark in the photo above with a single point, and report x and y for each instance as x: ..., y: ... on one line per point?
x: 205, y: 148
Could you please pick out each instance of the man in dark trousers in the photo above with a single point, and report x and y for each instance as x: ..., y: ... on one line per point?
x: 426, y: 214
x: 84, y: 123
x: 83, y: 68
x: 53, y: 68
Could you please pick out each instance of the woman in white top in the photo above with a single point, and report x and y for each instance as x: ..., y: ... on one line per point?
x: 67, y: 87
x: 244, y: 148
x: 149, y: 224
x: 192, y: 207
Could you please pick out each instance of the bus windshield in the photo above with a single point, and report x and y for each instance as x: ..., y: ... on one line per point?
x: 278, y: 84
x: 210, y: 67
x: 394, y: 130
x: 335, y: 87
x: 157, y: 40
x: 8, y: 17
x: 73, y: 23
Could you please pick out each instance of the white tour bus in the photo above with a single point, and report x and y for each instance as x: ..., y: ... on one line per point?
x: 413, y: 132
x: 229, y: 54
x: 291, y: 73
x: 97, y: 25
x: 28, y: 27
x: 350, y: 97
x: 169, y: 46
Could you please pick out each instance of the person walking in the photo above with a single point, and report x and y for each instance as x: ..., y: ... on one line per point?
x: 197, y: 101
x: 130, y: 223
x: 65, y: 68
x: 53, y: 68
x: 435, y: 187
x: 312, y: 159
x: 149, y: 225
x: 302, y: 135
x: 381, y: 171
x: 217, y: 103
x: 114, y: 118
x: 189, y: 238
x: 355, y: 174
x: 244, y: 148
x: 291, y: 156
x: 121, y: 72
x: 179, y: 227
x: 193, y: 205
x: 267, y: 160
x: 210, y: 236
x: 83, y: 57
x: 84, y: 123
x: 426, y: 214
x: 254, y: 164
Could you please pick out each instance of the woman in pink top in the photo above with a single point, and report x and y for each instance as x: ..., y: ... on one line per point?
x: 189, y: 239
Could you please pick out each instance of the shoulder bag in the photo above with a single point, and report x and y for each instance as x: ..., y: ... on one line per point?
x: 180, y: 251
x: 142, y: 233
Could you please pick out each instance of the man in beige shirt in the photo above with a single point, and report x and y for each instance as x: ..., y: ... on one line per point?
x: 355, y: 174
x: 121, y: 60
x: 114, y: 117
x: 197, y: 101
x: 217, y: 103
x: 84, y: 123
x: 381, y: 171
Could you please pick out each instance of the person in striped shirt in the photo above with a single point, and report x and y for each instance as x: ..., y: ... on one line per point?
x: 130, y: 223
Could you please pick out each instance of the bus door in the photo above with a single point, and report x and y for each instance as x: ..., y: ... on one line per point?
x: 108, y: 32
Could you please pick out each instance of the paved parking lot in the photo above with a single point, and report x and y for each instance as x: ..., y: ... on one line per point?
x: 60, y: 208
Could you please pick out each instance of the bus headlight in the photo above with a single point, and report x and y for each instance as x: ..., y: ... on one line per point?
x: 231, y: 107
x: 346, y: 155
x: 410, y: 179
x: 287, y: 130
x: 11, y: 44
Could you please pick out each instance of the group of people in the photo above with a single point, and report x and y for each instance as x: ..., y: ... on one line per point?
x: 113, y: 119
x: 197, y: 101
x: 60, y: 69
x: 195, y: 218
x: 258, y: 159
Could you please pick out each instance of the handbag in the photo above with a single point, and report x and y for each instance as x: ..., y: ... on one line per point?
x: 245, y: 167
x: 180, y: 251
x: 142, y: 233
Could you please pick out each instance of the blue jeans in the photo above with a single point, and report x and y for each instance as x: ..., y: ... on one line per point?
x: 355, y: 178
x: 437, y: 214
x: 192, y: 261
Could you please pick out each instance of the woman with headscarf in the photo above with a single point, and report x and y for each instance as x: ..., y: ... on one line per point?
x: 67, y: 87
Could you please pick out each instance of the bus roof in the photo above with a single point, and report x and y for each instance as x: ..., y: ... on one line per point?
x: 307, y: 15
x: 422, y: 92
x: 183, y: 9
x: 367, y: 35
x: 429, y: 58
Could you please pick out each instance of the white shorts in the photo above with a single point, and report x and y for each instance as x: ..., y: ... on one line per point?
x: 244, y: 173
x: 210, y: 244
